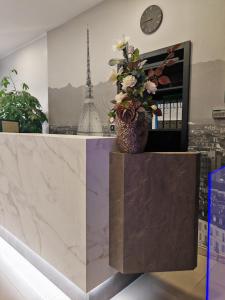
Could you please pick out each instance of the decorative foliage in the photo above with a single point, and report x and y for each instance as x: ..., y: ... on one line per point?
x: 156, y: 75
x: 136, y: 87
x: 20, y: 105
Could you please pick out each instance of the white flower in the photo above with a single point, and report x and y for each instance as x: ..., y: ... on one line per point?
x: 120, y: 71
x: 120, y: 97
x: 121, y: 44
x: 111, y: 120
x: 141, y: 64
x: 114, y: 75
x: 150, y: 87
x: 129, y: 81
x: 154, y: 107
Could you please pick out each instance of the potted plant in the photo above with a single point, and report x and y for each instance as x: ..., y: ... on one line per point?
x: 134, y: 101
x: 20, y: 105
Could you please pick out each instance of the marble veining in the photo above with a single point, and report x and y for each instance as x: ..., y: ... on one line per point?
x: 54, y: 197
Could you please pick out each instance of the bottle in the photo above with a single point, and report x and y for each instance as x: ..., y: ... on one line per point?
x: 45, y: 127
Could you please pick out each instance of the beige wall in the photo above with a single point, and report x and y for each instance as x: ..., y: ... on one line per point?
x: 201, y: 21
x: 31, y: 64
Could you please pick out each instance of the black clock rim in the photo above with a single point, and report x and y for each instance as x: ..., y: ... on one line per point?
x: 148, y: 33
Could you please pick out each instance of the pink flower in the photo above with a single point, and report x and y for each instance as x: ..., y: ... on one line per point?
x: 130, y: 49
x: 141, y: 64
x: 150, y: 87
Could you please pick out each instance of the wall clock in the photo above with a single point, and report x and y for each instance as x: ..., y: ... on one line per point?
x: 151, y: 19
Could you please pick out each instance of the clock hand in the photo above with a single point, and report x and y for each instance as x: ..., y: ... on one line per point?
x: 148, y: 20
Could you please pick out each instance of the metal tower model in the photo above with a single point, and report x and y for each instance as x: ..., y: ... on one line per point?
x: 89, y: 123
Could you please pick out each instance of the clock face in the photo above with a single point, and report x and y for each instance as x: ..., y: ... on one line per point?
x: 151, y: 19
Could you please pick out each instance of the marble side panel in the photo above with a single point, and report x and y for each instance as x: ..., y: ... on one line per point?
x: 153, y: 212
x: 97, y: 165
x: 116, y: 211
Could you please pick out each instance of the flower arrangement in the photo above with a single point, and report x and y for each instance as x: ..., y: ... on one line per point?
x: 135, y: 86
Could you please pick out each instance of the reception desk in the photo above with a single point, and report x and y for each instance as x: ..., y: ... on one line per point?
x: 54, y: 198
x: 87, y: 216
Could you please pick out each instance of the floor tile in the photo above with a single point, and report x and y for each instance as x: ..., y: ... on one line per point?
x: 187, y: 285
x: 19, y: 280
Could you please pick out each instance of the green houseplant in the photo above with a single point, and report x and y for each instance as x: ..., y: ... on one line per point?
x: 19, y: 105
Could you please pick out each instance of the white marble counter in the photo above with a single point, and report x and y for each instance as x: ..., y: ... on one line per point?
x: 54, y: 198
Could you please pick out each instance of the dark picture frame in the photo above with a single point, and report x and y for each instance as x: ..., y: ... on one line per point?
x: 171, y: 138
x: 9, y: 126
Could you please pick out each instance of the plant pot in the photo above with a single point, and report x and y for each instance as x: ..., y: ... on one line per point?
x: 132, y: 136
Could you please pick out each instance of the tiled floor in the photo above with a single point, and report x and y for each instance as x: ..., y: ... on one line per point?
x: 16, y: 283
x: 217, y: 282
x: 19, y: 280
x: 188, y: 285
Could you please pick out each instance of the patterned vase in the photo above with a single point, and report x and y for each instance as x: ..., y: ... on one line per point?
x: 132, y: 136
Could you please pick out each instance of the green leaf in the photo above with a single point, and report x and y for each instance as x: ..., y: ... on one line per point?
x: 112, y: 114
x: 141, y: 91
x: 2, y: 93
x: 136, y: 55
x: 25, y: 87
x: 5, y: 82
x: 113, y: 62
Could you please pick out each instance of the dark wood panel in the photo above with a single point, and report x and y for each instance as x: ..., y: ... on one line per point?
x: 153, y: 211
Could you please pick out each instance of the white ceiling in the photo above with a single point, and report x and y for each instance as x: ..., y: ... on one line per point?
x: 22, y: 21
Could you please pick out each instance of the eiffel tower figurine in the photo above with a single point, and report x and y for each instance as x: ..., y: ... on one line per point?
x: 89, y: 123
